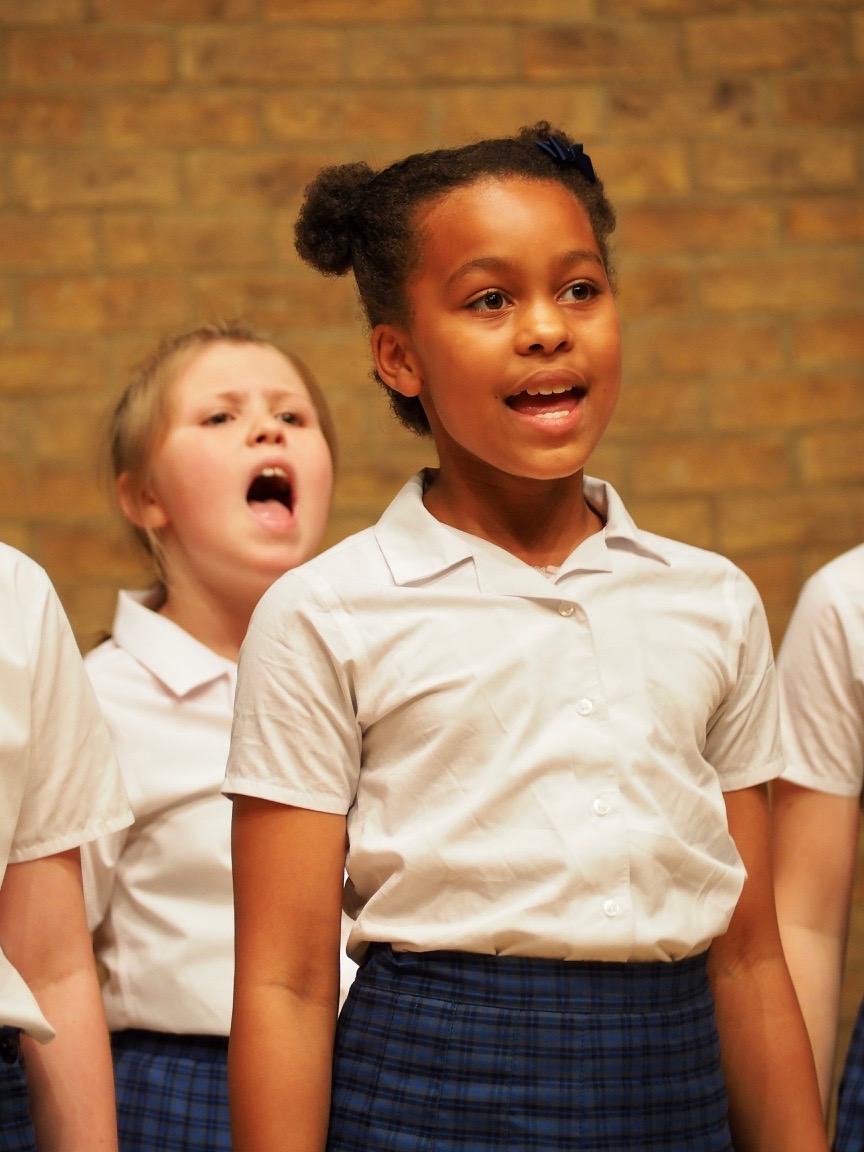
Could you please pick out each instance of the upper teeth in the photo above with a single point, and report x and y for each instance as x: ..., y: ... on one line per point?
x: 549, y: 391
x: 274, y: 472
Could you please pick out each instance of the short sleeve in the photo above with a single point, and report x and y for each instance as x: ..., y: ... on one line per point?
x: 743, y: 742
x: 73, y: 790
x: 821, y: 693
x: 295, y: 738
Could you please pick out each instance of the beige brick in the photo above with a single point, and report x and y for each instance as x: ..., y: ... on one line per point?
x: 94, y: 179
x: 470, y: 113
x: 599, y: 51
x: 827, y: 219
x: 13, y: 428
x: 637, y: 171
x: 711, y: 348
x: 788, y: 400
x: 27, y: 118
x: 858, y: 35
x: 290, y: 301
x: 775, y: 576
x: 658, y: 408
x: 181, y: 118
x: 832, y: 456
x: 829, y: 340
x: 103, y: 550
x: 344, y: 11
x: 29, y: 243
x: 655, y: 291
x: 7, y: 309
x: 30, y: 366
x: 185, y: 239
x: 786, y: 519
x: 760, y: 42
x: 171, y: 11
x: 70, y: 426
x: 690, y: 519
x: 673, y: 228
x: 712, y: 465
x: 40, y: 11
x: 94, y: 56
x: 673, y: 7
x: 102, y: 303
x: 538, y: 11
x: 826, y: 101
x: 347, y: 114
x: 768, y: 164
x: 260, y: 56
x: 52, y: 492
x: 17, y: 535
x: 339, y: 359
x: 695, y: 107
x: 260, y: 179
x: 784, y: 283
x: 447, y: 52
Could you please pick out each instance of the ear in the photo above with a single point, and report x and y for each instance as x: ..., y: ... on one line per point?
x: 395, y: 360
x: 139, y: 504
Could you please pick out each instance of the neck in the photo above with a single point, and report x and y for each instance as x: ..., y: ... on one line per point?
x: 213, y: 619
x: 539, y: 521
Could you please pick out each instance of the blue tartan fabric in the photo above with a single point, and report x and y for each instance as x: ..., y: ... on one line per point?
x: 16, y: 1131
x: 849, y: 1132
x: 172, y: 1092
x: 451, y: 1052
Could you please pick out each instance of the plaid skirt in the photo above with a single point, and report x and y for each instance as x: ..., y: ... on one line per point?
x: 454, y: 1052
x: 172, y: 1092
x: 16, y: 1130
x: 849, y: 1133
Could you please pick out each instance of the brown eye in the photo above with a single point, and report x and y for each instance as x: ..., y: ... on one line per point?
x: 490, y: 302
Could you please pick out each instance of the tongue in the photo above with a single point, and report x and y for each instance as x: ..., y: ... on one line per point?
x: 542, y: 405
x: 271, y: 513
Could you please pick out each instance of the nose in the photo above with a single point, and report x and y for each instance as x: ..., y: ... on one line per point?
x: 543, y: 329
x: 267, y: 429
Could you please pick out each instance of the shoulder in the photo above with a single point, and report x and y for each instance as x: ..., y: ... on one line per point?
x: 22, y: 581
x: 830, y: 609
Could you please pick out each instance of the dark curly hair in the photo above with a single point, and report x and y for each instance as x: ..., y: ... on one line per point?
x: 356, y: 219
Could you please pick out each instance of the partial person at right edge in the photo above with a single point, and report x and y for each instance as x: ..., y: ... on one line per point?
x: 816, y: 815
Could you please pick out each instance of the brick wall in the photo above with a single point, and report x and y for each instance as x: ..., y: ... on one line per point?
x: 153, y: 154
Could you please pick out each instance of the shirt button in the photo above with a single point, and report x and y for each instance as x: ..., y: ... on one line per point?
x: 611, y: 908
x: 565, y: 609
x: 584, y: 706
x: 601, y: 806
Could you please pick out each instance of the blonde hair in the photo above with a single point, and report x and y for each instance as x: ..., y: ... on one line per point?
x: 140, y: 417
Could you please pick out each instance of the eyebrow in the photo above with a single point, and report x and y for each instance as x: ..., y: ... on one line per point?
x: 233, y: 396
x: 496, y: 264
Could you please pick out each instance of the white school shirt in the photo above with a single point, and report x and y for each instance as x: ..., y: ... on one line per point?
x: 528, y: 766
x: 59, y: 782
x: 821, y: 677
x: 159, y: 895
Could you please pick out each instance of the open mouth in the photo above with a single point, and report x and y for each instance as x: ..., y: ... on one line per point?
x: 271, y: 497
x: 546, y: 401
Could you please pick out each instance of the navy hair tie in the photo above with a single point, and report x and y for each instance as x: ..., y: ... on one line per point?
x: 568, y: 154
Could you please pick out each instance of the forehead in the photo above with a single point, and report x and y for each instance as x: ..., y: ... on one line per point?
x: 231, y: 366
x: 507, y: 217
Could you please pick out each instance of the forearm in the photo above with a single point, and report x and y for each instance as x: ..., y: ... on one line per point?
x: 767, y: 1062
x: 816, y: 965
x: 70, y: 1079
x: 279, y: 1070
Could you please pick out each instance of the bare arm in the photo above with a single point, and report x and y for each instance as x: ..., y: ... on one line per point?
x: 767, y: 1062
x: 288, y: 873
x: 43, y: 932
x: 815, y: 841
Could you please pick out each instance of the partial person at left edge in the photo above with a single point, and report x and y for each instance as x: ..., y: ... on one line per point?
x: 59, y: 788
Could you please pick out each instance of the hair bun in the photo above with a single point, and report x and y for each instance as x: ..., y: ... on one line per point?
x: 327, y: 223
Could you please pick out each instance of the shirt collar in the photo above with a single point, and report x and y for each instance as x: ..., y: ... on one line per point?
x: 417, y: 547
x: 175, y: 658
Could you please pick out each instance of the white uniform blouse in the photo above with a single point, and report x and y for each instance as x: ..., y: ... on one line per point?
x: 59, y: 783
x: 159, y: 894
x: 821, y: 675
x: 528, y: 766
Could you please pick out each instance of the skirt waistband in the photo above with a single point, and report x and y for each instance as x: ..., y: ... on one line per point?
x: 556, y: 985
